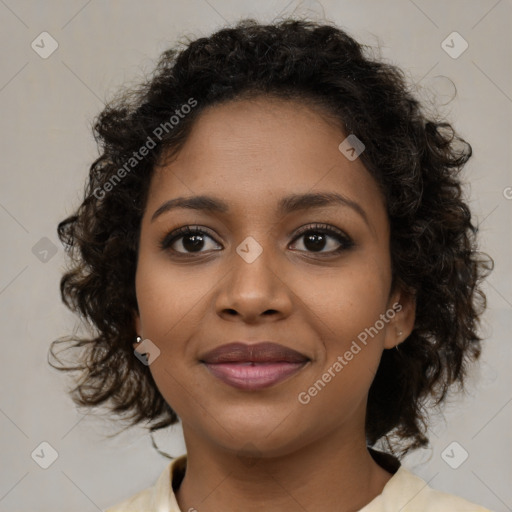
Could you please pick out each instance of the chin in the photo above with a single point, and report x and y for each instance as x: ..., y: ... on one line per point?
x: 259, y: 436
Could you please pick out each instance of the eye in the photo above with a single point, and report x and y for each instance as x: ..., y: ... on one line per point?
x: 189, y: 238
x: 316, y: 238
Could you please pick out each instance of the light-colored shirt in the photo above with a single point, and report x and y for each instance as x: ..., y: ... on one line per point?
x: 404, y: 492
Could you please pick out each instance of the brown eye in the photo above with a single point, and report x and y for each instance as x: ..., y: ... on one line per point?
x: 318, y: 237
x: 191, y: 240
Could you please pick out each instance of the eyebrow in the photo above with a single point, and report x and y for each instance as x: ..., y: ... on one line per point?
x: 286, y: 205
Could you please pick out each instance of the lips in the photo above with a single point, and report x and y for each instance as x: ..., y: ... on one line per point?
x: 253, y: 366
x: 265, y: 352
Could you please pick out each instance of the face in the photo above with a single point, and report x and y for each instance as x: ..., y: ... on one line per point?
x: 310, y: 275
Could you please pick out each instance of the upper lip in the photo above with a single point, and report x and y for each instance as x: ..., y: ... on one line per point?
x: 261, y: 352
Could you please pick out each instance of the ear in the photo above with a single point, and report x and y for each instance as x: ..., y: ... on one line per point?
x: 138, y: 327
x: 400, y: 326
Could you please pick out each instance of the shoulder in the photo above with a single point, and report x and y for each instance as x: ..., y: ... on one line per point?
x: 158, y: 497
x: 409, y: 493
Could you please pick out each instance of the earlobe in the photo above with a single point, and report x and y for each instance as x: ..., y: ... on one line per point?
x: 138, y: 328
x: 402, y: 324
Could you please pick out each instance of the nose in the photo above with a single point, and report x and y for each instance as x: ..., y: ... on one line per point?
x: 255, y: 291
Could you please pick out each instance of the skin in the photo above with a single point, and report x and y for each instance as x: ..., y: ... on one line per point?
x: 263, y: 450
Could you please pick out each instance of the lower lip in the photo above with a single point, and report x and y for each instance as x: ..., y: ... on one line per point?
x: 252, y: 376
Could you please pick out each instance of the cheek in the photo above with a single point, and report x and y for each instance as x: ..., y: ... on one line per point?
x: 347, y: 301
x: 345, y: 315
x: 346, y: 307
x: 170, y: 303
x: 168, y: 297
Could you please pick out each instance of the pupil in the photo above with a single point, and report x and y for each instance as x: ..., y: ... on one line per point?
x: 318, y: 242
x: 197, y: 241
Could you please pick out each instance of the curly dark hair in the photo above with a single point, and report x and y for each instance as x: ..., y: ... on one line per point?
x: 415, y: 159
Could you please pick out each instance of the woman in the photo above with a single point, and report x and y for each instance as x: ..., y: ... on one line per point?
x: 274, y: 248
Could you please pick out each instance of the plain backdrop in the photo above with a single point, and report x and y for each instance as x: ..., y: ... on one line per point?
x: 47, y: 106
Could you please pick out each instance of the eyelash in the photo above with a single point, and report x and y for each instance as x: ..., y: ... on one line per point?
x: 345, y: 241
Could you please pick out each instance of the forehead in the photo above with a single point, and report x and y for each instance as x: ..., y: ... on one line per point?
x: 253, y: 152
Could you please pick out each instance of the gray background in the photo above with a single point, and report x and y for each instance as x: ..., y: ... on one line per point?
x: 47, y: 107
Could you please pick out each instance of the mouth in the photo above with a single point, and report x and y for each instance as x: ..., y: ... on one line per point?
x: 254, y: 366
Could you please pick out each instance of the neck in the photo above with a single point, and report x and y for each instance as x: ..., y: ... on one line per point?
x: 330, y: 475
